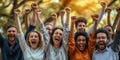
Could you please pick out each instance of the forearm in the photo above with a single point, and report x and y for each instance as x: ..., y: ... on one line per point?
x: 101, y: 14
x: 18, y: 23
x: 108, y: 19
x: 34, y: 19
x: 67, y: 19
x: 118, y: 27
x: 54, y: 23
x: 26, y: 19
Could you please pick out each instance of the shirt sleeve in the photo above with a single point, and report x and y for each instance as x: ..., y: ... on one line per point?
x: 22, y: 41
x: 1, y: 40
x: 116, y: 43
x: 65, y: 34
x: 45, y: 34
x: 91, y: 44
x: 71, y: 45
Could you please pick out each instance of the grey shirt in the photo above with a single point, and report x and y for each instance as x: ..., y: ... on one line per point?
x: 53, y: 53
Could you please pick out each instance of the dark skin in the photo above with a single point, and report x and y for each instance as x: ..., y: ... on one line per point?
x: 108, y: 10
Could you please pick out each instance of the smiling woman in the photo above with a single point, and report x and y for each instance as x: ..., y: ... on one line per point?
x: 33, y: 47
x: 34, y: 39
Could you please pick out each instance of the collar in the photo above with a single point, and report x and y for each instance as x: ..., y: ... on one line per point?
x: 105, y: 50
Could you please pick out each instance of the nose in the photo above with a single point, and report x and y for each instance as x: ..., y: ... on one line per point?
x: 100, y: 39
x: 33, y: 37
x: 80, y: 42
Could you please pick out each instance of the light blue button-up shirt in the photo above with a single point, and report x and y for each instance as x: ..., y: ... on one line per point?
x: 107, y: 54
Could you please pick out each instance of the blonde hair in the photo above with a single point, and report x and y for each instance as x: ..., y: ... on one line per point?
x: 39, y: 35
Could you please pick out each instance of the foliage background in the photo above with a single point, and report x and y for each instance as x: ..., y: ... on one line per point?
x: 84, y: 8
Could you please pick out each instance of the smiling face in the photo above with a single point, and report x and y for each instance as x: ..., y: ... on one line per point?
x: 57, y: 37
x: 81, y: 26
x: 81, y: 43
x: 110, y: 30
x: 101, y: 40
x: 34, y: 40
x: 12, y: 33
x: 49, y: 28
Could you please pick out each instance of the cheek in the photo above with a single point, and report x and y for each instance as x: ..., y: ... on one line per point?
x: 29, y: 41
x: 106, y: 41
x: 97, y: 41
x: 78, y: 43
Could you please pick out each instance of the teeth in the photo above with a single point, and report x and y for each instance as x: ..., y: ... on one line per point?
x: 57, y: 39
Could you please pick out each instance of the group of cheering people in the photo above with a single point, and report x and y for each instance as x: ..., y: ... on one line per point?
x: 55, y: 43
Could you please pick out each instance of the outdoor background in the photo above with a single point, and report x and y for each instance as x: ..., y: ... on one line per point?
x: 80, y: 8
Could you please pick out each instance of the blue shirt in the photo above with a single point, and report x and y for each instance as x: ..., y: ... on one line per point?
x: 10, y: 52
x: 107, y: 54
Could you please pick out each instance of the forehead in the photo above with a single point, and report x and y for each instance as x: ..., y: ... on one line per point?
x: 58, y: 30
x: 11, y: 28
x: 81, y: 23
x: 33, y: 33
x: 48, y: 25
x: 108, y: 27
x: 81, y: 37
x: 101, y: 34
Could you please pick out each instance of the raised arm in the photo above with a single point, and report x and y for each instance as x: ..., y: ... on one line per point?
x: 103, y: 4
x: 32, y: 24
x: 62, y: 12
x: 26, y: 18
x: 21, y: 38
x: 108, y: 10
x: 45, y: 34
x: 68, y: 11
x: 92, y: 41
x: 71, y: 43
x: 116, y: 18
x: 34, y: 18
x: 54, y: 17
x: 116, y: 43
x: 95, y: 19
x: 17, y: 19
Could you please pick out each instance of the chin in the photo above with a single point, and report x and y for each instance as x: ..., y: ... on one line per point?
x: 34, y: 47
x: 101, y: 48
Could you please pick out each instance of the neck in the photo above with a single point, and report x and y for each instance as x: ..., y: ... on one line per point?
x: 56, y: 45
x: 11, y: 42
x: 100, y: 50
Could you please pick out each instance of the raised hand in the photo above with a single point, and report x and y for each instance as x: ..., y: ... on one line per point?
x: 108, y: 9
x: 95, y: 17
x: 62, y: 12
x: 34, y: 6
x: 73, y: 18
x: 27, y: 11
x: 16, y: 11
x: 103, y: 4
x: 54, y: 16
x: 118, y: 9
x: 38, y: 11
x: 68, y: 10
